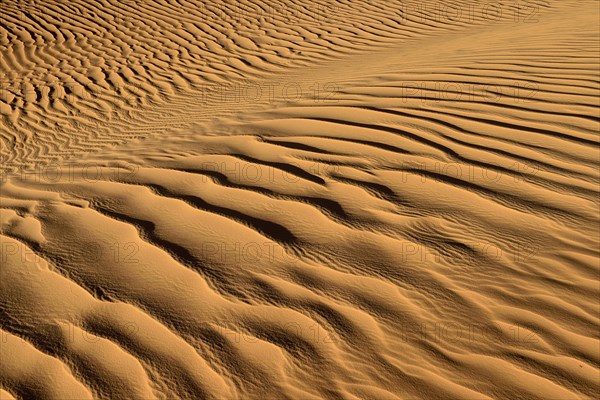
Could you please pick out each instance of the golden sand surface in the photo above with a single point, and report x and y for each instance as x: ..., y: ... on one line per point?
x: 299, y: 199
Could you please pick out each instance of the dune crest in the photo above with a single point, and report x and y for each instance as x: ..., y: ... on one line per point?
x: 299, y: 200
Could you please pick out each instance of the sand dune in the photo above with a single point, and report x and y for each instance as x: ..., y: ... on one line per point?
x: 299, y: 200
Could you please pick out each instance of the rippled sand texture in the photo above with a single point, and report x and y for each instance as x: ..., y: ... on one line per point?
x: 299, y: 200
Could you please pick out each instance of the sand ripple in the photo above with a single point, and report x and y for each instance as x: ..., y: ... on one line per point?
x: 342, y: 200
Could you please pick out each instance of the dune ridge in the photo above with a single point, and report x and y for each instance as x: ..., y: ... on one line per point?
x: 293, y: 200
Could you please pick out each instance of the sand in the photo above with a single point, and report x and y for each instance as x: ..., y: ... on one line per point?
x: 299, y: 200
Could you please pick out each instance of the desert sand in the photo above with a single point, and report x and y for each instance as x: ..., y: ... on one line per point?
x: 299, y: 200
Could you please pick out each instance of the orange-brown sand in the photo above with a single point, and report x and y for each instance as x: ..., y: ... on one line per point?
x: 299, y: 199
